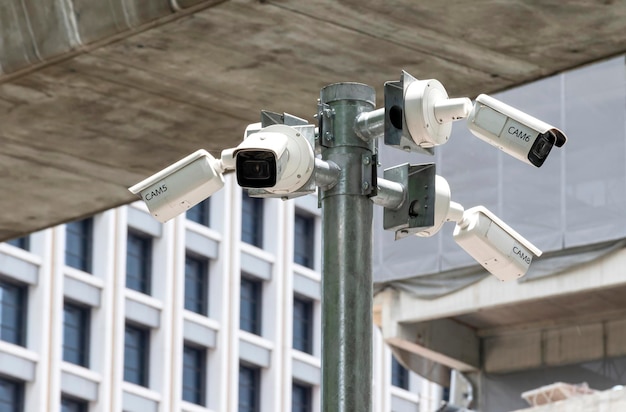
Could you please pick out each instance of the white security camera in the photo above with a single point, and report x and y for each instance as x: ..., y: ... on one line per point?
x: 519, y: 134
x: 183, y: 184
x: 496, y: 246
x: 277, y: 158
x: 484, y: 236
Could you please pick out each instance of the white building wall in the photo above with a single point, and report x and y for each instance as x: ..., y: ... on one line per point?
x: 46, y: 376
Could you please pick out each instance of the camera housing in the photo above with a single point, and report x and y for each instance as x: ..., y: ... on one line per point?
x: 277, y: 158
x: 495, y: 245
x: 516, y: 133
x: 429, y: 112
x: 419, y: 114
x: 445, y: 210
x: 183, y: 184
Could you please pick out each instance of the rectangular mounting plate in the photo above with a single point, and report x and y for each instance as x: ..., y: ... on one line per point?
x: 394, y: 107
x: 418, y: 211
x: 269, y: 118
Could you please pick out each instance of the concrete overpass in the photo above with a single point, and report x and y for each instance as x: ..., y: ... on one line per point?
x: 95, y: 96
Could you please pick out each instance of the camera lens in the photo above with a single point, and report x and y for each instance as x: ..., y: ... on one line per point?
x: 541, y: 148
x: 256, y: 169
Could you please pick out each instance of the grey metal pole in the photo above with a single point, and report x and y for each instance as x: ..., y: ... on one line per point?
x: 347, y: 252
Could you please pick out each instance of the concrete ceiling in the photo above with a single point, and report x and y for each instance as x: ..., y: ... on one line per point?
x: 583, y: 307
x: 95, y: 96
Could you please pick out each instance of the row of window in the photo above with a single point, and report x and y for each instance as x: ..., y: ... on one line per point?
x: 12, y: 398
x: 194, y: 381
x: 250, y: 392
x: 139, y: 269
x: 136, y: 354
x: 137, y: 347
x: 12, y: 392
x: 136, y: 364
x: 251, y: 308
x: 13, y: 306
x: 76, y: 317
x: 137, y: 342
x: 304, y: 230
x: 136, y: 370
x: 76, y: 331
x: 79, y: 235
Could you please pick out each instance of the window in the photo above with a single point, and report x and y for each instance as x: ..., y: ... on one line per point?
x: 250, y: 305
x: 252, y: 220
x: 399, y: 374
x: 78, y: 244
x: 194, y: 374
x: 73, y: 405
x: 303, y: 324
x: 445, y: 396
x: 21, y: 242
x: 76, y: 334
x: 13, y: 313
x: 136, y: 355
x: 11, y: 395
x: 249, y: 389
x: 304, y: 240
x: 196, y: 284
x: 200, y: 213
x: 301, y: 398
x: 139, y: 262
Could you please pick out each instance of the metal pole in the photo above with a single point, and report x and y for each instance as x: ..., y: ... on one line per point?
x: 347, y: 253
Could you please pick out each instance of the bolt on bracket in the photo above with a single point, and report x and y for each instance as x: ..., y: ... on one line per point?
x: 369, y: 174
x: 326, y: 119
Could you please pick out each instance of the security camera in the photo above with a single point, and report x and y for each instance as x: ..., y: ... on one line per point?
x: 496, y: 246
x: 276, y: 158
x: 183, y: 184
x: 485, y: 237
x: 520, y: 135
x: 419, y: 114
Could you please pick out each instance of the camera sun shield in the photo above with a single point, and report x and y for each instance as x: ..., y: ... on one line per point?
x: 180, y: 186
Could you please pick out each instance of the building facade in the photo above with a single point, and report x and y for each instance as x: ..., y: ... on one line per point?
x: 216, y: 310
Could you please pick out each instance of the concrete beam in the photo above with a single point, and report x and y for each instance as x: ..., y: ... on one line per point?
x: 431, y: 348
x: 489, y: 293
x: 443, y: 341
